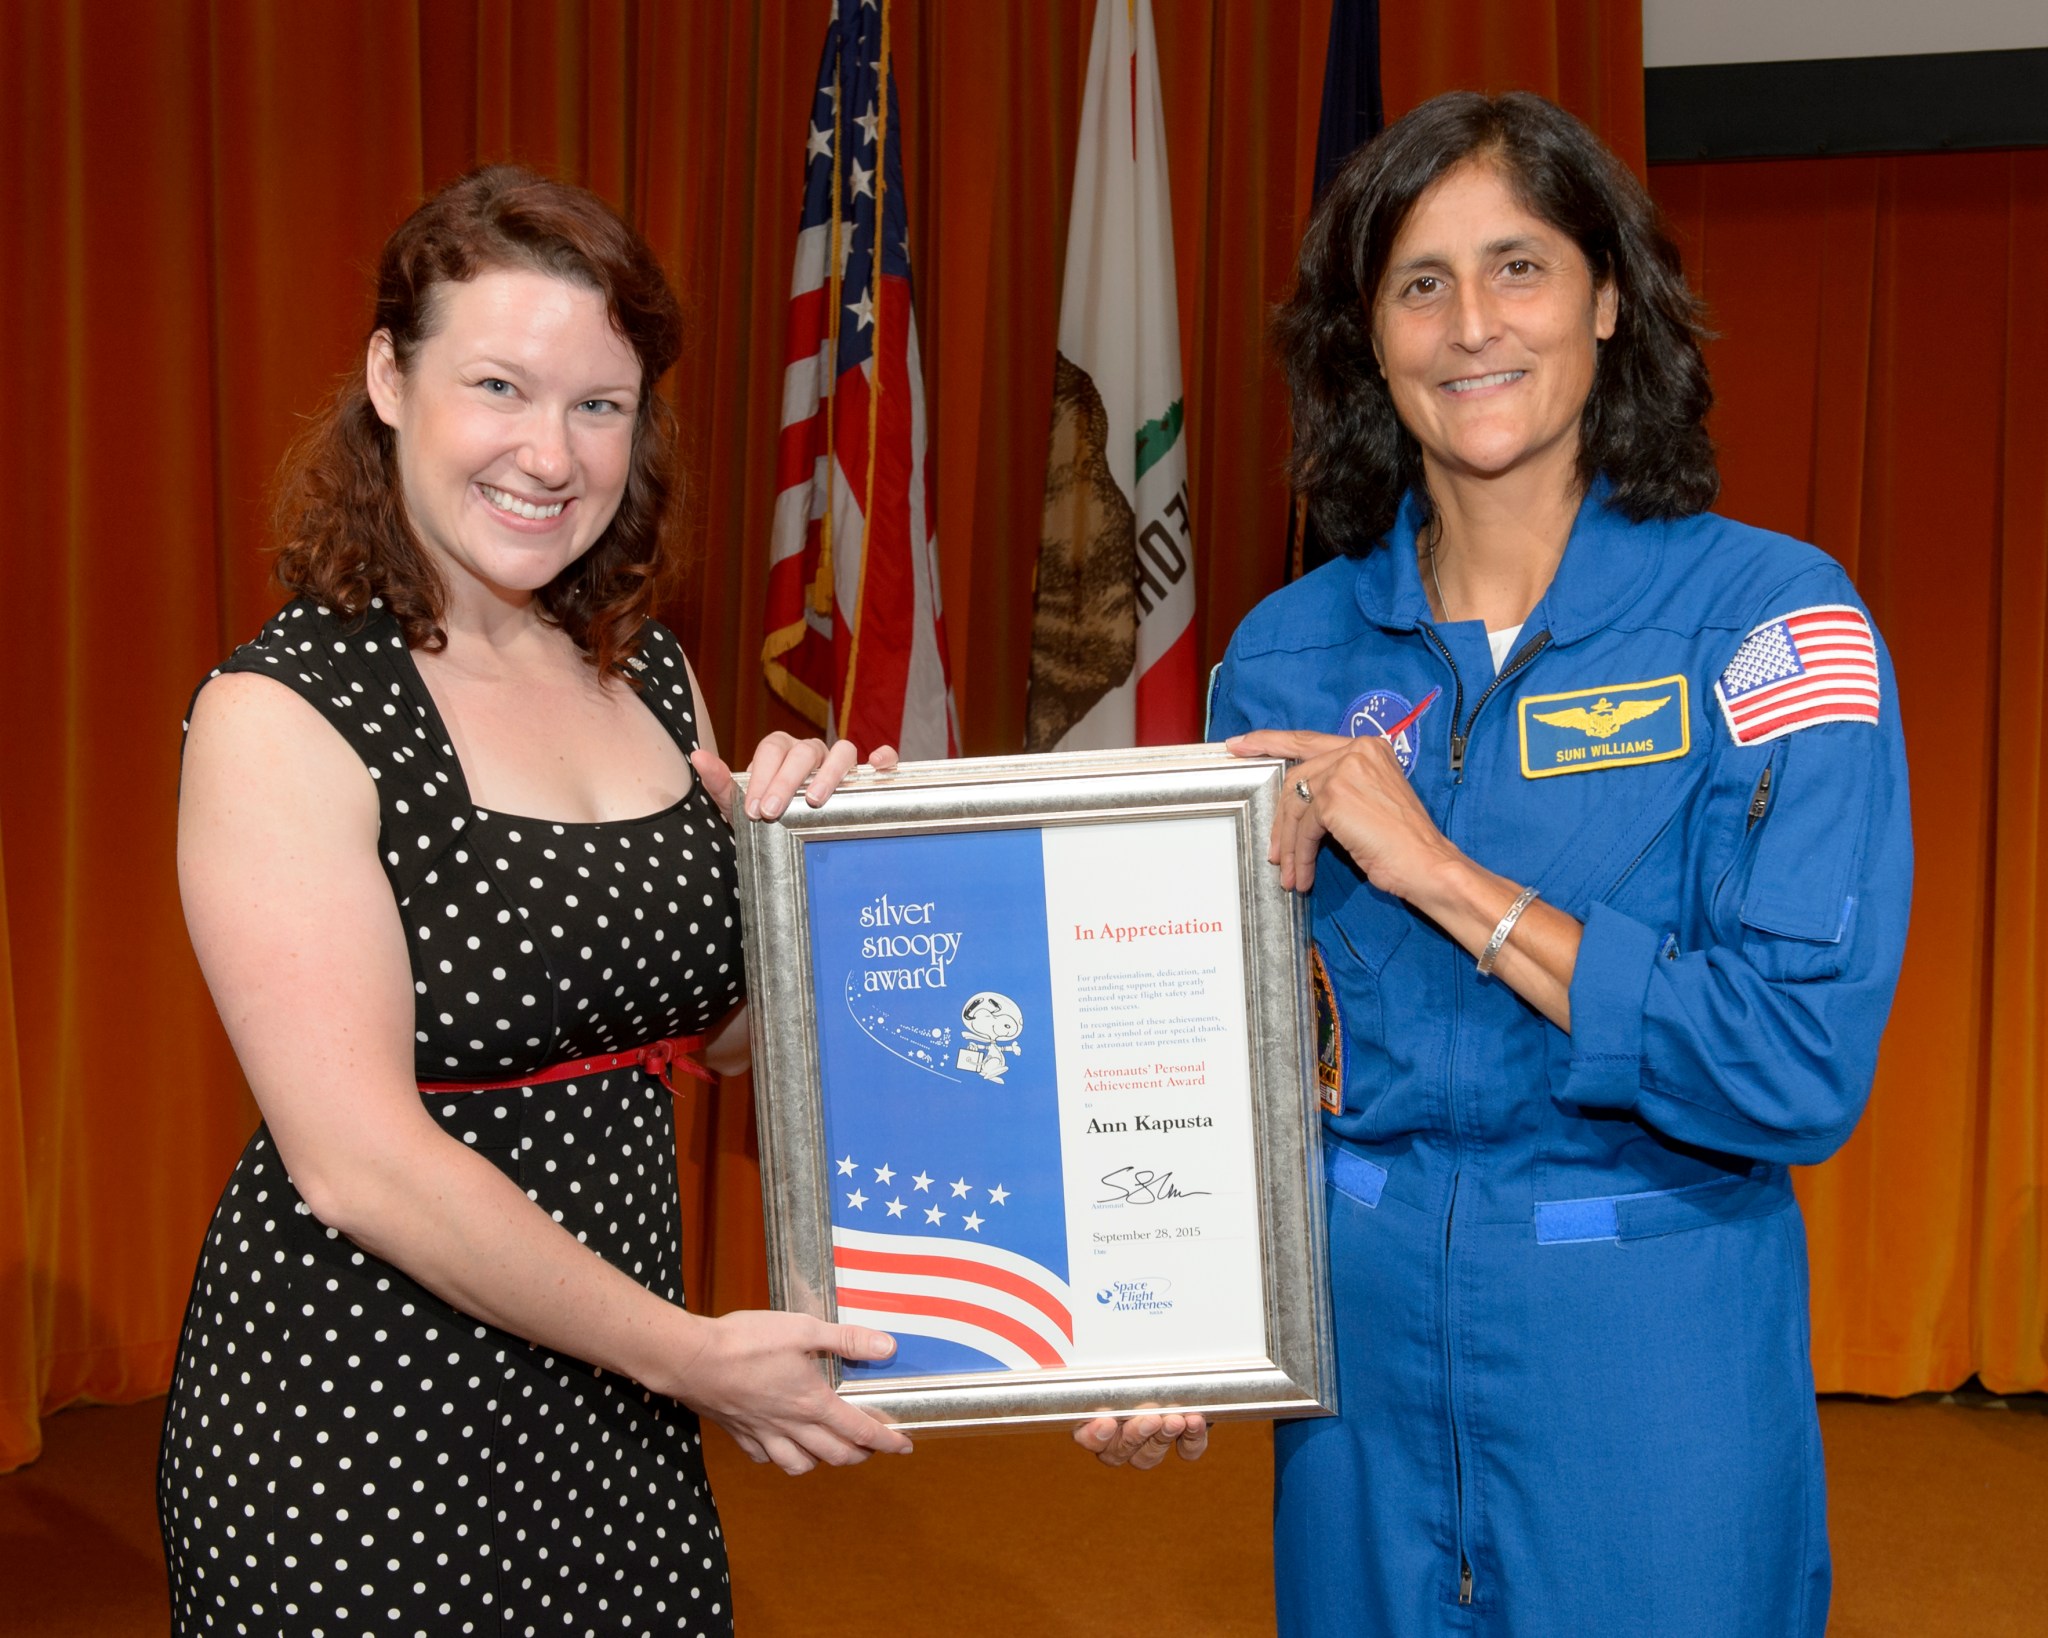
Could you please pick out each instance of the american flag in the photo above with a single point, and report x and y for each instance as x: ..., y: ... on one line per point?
x: 938, y: 1264
x: 855, y: 639
x: 1812, y: 665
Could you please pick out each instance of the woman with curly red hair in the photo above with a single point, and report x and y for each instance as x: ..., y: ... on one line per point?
x: 454, y: 852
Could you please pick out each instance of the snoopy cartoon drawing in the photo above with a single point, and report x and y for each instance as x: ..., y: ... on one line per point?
x: 991, y: 1023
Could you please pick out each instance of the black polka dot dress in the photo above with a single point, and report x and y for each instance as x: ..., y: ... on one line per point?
x: 344, y: 1453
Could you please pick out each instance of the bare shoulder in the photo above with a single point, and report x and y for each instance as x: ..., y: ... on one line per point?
x: 254, y: 746
x: 274, y: 809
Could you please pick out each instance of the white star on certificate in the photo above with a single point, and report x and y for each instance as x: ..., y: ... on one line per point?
x: 856, y: 1200
x: 868, y: 121
x: 960, y: 1189
x: 861, y: 182
x: 883, y: 1173
x: 846, y: 1167
x: 923, y: 1181
x: 863, y: 310
x: 972, y: 1222
x: 819, y: 145
x: 895, y: 1208
x: 999, y: 1194
x: 932, y: 1214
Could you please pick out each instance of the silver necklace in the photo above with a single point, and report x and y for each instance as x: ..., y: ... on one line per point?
x: 1443, y: 607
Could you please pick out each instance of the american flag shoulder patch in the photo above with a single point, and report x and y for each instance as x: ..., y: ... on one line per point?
x: 1810, y: 666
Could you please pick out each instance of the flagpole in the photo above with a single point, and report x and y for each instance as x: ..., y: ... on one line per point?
x: 875, y: 284
x: 821, y: 588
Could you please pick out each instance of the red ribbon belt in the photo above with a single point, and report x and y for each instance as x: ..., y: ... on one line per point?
x: 658, y: 1058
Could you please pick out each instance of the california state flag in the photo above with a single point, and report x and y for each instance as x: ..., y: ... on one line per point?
x: 1112, y: 632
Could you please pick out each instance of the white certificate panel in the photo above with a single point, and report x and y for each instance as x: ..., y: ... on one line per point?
x: 1145, y: 948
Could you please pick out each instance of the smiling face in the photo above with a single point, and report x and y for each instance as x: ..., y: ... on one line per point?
x: 1485, y: 327
x: 514, y: 423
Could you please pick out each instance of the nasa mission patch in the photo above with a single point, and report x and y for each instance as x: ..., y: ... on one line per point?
x: 1383, y: 714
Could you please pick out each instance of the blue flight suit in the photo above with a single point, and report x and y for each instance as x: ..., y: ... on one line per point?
x: 1568, y: 1271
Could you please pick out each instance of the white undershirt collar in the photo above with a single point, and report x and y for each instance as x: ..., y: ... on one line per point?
x: 1503, y: 644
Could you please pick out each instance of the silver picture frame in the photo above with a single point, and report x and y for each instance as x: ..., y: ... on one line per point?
x: 1291, y: 1372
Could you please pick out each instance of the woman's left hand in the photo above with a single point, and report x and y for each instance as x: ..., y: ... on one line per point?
x: 1142, y: 1441
x: 1361, y: 800
x: 783, y: 766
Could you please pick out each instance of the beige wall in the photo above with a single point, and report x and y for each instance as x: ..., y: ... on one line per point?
x: 1681, y: 32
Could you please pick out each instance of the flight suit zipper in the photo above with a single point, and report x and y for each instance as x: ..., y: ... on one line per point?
x: 1759, y: 810
x: 1457, y: 703
x: 1757, y: 804
x: 1642, y: 853
x: 1451, y: 1402
x: 1451, y: 1217
x: 1461, y: 736
x: 1760, y: 803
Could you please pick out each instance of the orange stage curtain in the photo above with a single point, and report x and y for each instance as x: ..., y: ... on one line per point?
x: 1585, y: 54
x: 20, y: 1395
x: 195, y: 197
x: 1882, y: 344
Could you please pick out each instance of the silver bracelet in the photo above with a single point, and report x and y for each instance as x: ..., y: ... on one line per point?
x: 1505, y: 926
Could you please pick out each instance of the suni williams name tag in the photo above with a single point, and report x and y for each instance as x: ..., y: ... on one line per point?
x: 1617, y: 725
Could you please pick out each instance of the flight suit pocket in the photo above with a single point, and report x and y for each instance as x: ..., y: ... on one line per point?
x: 1797, y: 869
x: 1650, y: 1214
x: 1353, y: 948
x: 1702, y: 1205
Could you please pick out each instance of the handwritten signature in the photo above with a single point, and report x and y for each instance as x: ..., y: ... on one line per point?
x: 1135, y: 1186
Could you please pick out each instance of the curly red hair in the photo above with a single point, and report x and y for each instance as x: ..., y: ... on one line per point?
x: 341, y: 515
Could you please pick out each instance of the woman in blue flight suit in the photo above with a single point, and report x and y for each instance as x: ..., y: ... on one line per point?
x: 1601, y: 801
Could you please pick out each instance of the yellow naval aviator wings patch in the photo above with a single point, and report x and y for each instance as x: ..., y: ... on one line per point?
x: 1603, y: 719
x: 1617, y: 725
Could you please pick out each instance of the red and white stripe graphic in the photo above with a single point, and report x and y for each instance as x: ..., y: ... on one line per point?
x: 1811, y: 666
x: 1006, y: 1306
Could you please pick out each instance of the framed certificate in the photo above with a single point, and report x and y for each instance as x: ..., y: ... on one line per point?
x: 1036, y: 1087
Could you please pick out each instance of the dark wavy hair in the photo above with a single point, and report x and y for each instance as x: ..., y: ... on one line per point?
x: 341, y: 517
x: 1643, y: 426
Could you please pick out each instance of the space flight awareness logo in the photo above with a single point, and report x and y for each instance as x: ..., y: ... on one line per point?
x: 1148, y: 1295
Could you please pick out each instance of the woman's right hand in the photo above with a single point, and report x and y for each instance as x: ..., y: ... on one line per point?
x: 1354, y: 792
x: 755, y: 1374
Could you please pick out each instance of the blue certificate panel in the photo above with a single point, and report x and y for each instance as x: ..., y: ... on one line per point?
x: 941, y: 1098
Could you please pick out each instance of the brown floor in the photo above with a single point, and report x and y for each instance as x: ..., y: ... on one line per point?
x: 1939, y: 1519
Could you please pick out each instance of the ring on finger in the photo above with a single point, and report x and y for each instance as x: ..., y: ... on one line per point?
x: 1301, y: 790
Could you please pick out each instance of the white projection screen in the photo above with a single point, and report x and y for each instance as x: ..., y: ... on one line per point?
x: 1684, y: 33
x: 1740, y: 79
